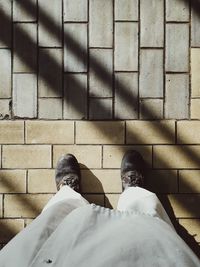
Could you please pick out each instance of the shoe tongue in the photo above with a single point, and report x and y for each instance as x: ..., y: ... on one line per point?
x: 70, y: 175
x: 131, y: 172
x: 69, y: 179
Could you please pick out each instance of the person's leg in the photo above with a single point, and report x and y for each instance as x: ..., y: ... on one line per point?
x: 68, y: 195
x: 32, y: 238
x: 140, y: 200
x: 134, y: 197
x: 67, y: 179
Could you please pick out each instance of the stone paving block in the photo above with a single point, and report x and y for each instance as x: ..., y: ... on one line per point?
x: 88, y: 156
x: 47, y: 132
x: 76, y: 10
x: 126, y: 46
x: 25, y: 95
x: 151, y: 73
x: 41, y: 181
x: 126, y: 95
x: 192, y: 227
x: 11, y: 132
x: 50, y: 32
x: 0, y: 156
x: 20, y: 12
x: 99, y: 132
x: 97, y: 199
x: 184, y: 133
x: 75, y: 49
x: 5, y: 22
x: 152, y: 23
x: 162, y: 181
x: 1, y: 205
x: 75, y: 96
x: 177, y: 47
x: 101, y: 23
x: 126, y: 10
x: 180, y: 157
x: 111, y: 200
x: 25, y: 47
x: 177, y: 10
x: 185, y: 205
x: 195, y: 25
x: 50, y: 108
x: 5, y: 73
x: 100, y: 80
x: 9, y: 228
x: 189, y: 181
x: 26, y: 156
x: 100, y: 181
x: 50, y: 72
x: 100, y: 108
x: 12, y: 181
x: 151, y: 109
x: 150, y: 132
x: 195, y: 108
x: 195, y: 77
x: 24, y: 205
x: 112, y: 155
x: 177, y: 87
x: 5, y: 111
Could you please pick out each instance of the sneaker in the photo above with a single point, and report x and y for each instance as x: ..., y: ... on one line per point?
x: 132, y: 170
x: 68, y: 172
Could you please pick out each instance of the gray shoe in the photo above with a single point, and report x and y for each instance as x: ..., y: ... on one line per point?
x: 68, y: 172
x: 132, y: 170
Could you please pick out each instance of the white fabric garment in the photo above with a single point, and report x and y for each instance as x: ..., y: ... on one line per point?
x: 67, y: 194
x: 134, y: 199
x: 71, y: 232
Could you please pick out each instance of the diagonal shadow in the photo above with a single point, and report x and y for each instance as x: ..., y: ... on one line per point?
x: 100, y: 71
x: 98, y: 68
x: 74, y: 47
x: 7, y: 233
x: 195, y: 6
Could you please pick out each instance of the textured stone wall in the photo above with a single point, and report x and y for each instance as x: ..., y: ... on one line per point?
x: 92, y: 59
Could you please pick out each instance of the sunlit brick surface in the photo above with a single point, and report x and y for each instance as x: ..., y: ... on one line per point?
x: 64, y: 53
x: 170, y: 149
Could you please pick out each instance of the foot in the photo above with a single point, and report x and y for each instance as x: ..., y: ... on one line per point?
x: 132, y: 169
x: 68, y: 172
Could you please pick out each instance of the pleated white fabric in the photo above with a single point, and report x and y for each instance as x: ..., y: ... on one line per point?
x: 71, y: 232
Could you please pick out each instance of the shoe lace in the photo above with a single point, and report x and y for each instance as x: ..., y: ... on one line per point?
x: 133, y: 178
x: 71, y: 180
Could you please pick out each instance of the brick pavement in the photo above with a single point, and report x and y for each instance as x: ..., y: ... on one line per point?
x: 85, y: 58
x: 30, y: 150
